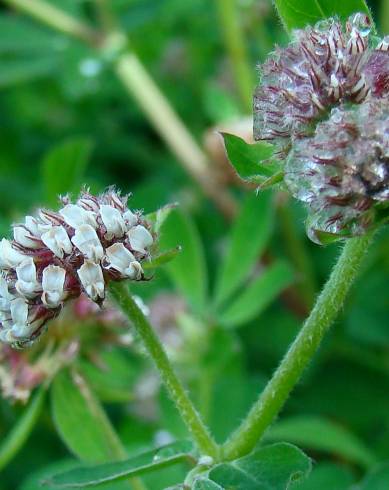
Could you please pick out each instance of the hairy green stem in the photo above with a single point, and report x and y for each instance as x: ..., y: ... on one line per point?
x: 189, y: 414
x: 57, y: 19
x: 236, y: 47
x: 301, y: 351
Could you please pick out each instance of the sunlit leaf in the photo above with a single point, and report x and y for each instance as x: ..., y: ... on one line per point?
x: 81, y: 421
x: 253, y: 162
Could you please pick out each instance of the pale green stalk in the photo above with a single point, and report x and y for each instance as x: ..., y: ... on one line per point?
x: 57, y: 19
x: 326, y: 309
x: 234, y: 41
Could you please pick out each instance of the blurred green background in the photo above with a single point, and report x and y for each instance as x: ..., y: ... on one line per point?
x: 55, y: 90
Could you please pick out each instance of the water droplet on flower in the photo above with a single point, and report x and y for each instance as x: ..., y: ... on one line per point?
x: 361, y: 23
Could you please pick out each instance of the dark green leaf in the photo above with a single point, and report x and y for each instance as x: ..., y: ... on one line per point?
x: 249, y: 237
x: 271, y: 467
x: 187, y: 270
x: 378, y: 479
x: 81, y: 421
x: 17, y: 436
x: 299, y: 13
x: 322, y: 435
x: 144, y: 463
x: 257, y: 295
x: 64, y: 166
x: 253, y: 163
x: 25, y: 69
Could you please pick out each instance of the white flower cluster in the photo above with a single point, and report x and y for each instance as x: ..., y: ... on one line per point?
x: 56, y: 256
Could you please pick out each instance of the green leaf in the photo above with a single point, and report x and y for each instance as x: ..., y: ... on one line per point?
x: 249, y: 237
x: 188, y: 269
x: 64, y: 166
x: 157, y: 218
x: 23, y: 69
x: 322, y: 435
x: 326, y: 476
x: 205, y: 484
x: 17, y: 436
x: 378, y: 479
x: 299, y: 13
x: 271, y: 467
x: 16, y: 29
x: 257, y: 295
x: 81, y: 421
x: 253, y: 163
x: 147, y: 462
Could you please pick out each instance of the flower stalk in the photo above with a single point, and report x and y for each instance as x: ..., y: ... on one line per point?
x: 287, y: 375
x: 189, y: 414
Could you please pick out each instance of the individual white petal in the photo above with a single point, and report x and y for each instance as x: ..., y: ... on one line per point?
x: 113, y: 221
x: 58, y: 241
x: 27, y: 283
x: 130, y: 219
x: 26, y: 238
x: 140, y: 238
x: 87, y: 241
x: 119, y: 258
x: 19, y: 310
x: 76, y: 216
x: 53, y: 280
x: 32, y: 225
x: 134, y: 271
x: 92, y: 279
x: 5, y: 295
x: 9, y: 257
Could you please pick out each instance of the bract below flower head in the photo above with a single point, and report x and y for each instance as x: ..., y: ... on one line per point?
x: 324, y: 66
x: 342, y: 172
x: 56, y: 256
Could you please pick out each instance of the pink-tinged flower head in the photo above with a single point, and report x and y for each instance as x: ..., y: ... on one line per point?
x: 55, y: 256
x: 324, y: 66
x: 342, y: 171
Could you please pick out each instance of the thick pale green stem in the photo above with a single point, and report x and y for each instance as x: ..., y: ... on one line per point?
x: 236, y: 47
x: 57, y: 19
x: 166, y: 122
x: 188, y: 413
x: 301, y: 351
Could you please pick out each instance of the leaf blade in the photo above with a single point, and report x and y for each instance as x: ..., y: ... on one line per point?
x: 299, y: 13
x: 249, y: 237
x: 257, y: 295
x: 63, y: 168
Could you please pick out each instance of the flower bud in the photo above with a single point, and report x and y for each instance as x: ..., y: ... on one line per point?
x: 324, y: 66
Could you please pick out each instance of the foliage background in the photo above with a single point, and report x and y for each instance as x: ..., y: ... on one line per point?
x: 52, y: 90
